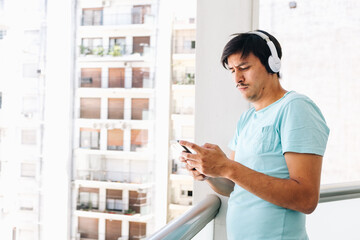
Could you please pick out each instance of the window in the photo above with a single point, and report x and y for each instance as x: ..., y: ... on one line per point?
x: 113, y: 229
x: 88, y: 228
x: 139, y: 13
x: 89, y: 138
x: 116, y: 108
x: 141, y: 44
x: 114, y: 200
x: 88, y: 198
x: 140, y: 78
x: 116, y: 77
x: 90, y: 108
x: 117, y: 46
x: 28, y: 137
x: 91, y: 46
x: 137, y: 230
x: 29, y: 106
x: 91, y: 77
x: 26, y: 205
x: 28, y: 170
x: 139, y: 139
x: 115, y: 139
x: 92, y: 17
x: 140, y: 109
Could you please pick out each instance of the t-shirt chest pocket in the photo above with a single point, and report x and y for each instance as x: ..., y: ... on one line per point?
x: 269, y: 138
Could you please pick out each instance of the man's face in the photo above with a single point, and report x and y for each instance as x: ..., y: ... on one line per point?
x: 250, y: 76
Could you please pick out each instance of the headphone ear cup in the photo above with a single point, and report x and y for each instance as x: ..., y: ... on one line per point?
x: 274, y: 64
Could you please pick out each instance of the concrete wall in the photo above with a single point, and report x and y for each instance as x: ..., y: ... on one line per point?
x: 218, y: 104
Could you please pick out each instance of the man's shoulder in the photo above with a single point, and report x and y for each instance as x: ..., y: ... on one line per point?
x: 294, y: 99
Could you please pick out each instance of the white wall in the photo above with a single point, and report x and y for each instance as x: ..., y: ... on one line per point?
x: 55, y: 218
x: 335, y: 220
x: 218, y: 104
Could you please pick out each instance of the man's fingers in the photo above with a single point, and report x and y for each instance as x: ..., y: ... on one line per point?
x: 191, y: 145
x: 209, y: 145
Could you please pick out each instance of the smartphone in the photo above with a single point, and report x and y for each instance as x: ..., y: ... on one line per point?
x: 185, y: 148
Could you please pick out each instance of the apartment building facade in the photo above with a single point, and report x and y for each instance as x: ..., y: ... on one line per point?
x: 114, y: 120
x: 21, y: 118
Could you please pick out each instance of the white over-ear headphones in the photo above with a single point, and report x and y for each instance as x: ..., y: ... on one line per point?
x: 274, y: 61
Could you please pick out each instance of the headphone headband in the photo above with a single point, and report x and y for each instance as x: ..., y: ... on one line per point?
x: 274, y: 60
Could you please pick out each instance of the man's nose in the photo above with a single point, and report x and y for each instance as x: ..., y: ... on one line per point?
x: 238, y: 76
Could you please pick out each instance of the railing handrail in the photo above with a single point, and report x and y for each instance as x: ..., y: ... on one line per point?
x: 339, y: 191
x: 191, y: 222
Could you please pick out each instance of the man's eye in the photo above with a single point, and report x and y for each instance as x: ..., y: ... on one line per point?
x: 244, y: 68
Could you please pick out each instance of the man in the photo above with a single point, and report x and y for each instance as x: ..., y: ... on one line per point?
x: 273, y: 173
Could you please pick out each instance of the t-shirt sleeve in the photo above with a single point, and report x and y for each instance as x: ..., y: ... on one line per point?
x: 303, y: 128
x: 232, y: 144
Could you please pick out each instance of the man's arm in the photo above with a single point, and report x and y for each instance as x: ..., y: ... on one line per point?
x: 300, y: 192
x: 222, y: 186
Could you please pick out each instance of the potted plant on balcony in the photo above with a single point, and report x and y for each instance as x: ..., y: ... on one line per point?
x: 115, y: 51
x: 129, y: 212
x: 99, y: 50
x: 85, y: 50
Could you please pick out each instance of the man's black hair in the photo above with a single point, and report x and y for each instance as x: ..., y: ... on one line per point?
x: 246, y: 43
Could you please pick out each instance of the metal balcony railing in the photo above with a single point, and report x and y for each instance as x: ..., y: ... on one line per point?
x: 191, y: 222
x: 195, y: 219
x: 141, y: 50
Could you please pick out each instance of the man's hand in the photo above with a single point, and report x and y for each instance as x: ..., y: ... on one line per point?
x: 209, y: 159
x: 196, y: 175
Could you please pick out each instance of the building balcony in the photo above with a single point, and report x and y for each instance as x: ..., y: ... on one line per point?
x: 112, y: 176
x: 125, y: 53
x: 103, y: 18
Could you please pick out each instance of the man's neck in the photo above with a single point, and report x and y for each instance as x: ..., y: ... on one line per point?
x: 271, y: 96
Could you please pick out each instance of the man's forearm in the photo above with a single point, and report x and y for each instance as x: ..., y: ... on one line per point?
x: 221, y: 186
x: 287, y: 193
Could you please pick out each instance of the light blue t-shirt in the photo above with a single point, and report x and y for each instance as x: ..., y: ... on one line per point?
x: 292, y: 124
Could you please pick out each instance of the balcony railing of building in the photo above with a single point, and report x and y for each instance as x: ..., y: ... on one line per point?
x: 187, y: 79
x: 144, y: 82
x: 195, y: 219
x: 140, y: 50
x: 99, y: 18
x: 112, y: 176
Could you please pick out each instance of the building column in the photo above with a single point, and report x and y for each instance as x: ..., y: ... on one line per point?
x: 104, y: 108
x: 129, y: 44
x: 102, y: 229
x: 125, y: 198
x: 102, y: 199
x: 103, y: 138
x: 104, y: 77
x: 215, y: 90
x: 125, y: 229
x: 128, y: 77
